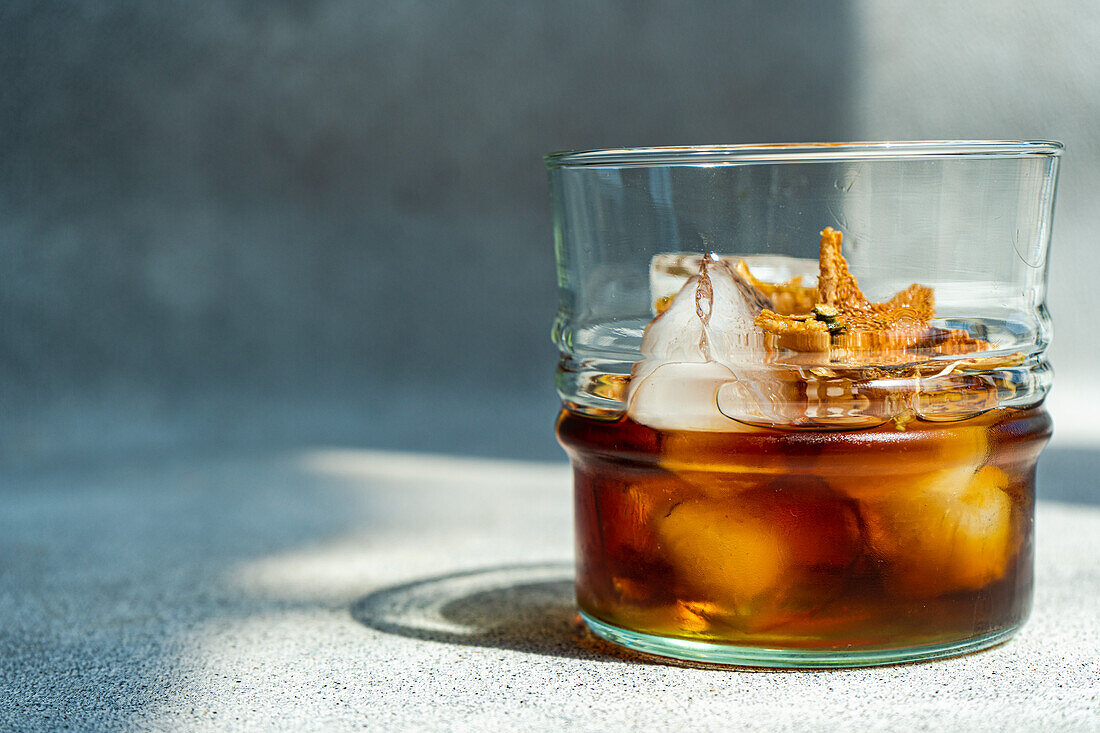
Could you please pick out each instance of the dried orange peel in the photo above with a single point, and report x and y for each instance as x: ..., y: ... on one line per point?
x: 794, y: 333
x: 855, y: 327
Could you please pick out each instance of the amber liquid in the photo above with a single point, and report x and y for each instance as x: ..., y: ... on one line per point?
x: 879, y: 538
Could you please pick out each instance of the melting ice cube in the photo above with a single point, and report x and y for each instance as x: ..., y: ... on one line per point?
x: 951, y: 531
x: 709, y: 319
x: 679, y: 395
x: 779, y: 551
x: 940, y: 517
x: 705, y: 340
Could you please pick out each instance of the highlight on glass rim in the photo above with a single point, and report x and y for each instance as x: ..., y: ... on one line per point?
x: 802, y: 395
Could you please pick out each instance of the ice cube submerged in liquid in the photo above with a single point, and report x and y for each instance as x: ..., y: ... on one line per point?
x: 799, y: 466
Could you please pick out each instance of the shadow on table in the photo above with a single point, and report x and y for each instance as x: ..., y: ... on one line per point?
x: 527, y: 608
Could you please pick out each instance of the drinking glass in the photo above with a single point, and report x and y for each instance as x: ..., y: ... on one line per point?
x: 802, y: 393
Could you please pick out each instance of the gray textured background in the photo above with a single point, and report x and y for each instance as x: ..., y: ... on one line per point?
x: 226, y: 223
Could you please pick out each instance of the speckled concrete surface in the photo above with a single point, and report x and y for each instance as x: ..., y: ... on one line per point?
x: 317, y: 588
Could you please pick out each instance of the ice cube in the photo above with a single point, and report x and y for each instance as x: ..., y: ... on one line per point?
x: 680, y: 396
x: 726, y: 555
x: 833, y: 402
x: 763, y: 397
x: 709, y: 319
x: 933, y: 511
x: 952, y: 531
x: 951, y: 397
x: 705, y: 339
x: 766, y: 555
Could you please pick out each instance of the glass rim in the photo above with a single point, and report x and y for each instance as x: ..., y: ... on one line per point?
x: 711, y: 155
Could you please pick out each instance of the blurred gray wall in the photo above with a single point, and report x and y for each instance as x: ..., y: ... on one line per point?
x: 229, y: 222
x: 329, y: 220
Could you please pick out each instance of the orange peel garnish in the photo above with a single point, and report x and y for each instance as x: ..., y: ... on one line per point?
x: 796, y: 334
x: 838, y: 287
x: 889, y: 331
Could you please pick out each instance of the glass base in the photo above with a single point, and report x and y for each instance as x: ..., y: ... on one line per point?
x: 749, y: 656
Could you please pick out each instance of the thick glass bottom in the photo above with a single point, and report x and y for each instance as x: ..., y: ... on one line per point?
x: 748, y: 656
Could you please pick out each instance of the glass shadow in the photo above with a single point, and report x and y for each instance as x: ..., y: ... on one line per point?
x: 528, y: 608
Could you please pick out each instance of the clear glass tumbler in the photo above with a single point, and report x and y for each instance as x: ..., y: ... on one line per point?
x: 802, y: 393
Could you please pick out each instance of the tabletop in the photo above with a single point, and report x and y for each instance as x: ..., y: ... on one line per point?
x: 313, y: 587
